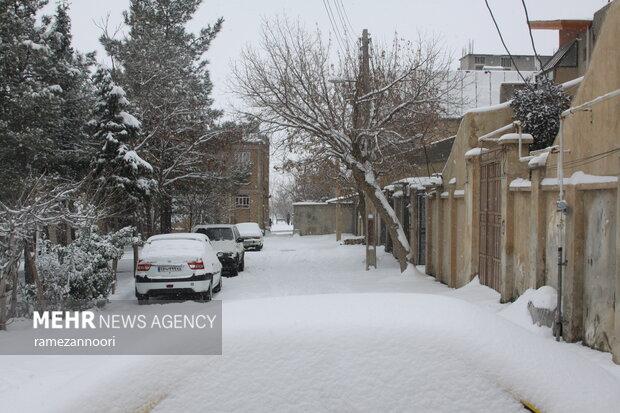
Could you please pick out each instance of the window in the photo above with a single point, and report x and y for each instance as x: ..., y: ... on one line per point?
x: 506, y: 62
x: 242, y: 157
x: 217, y: 233
x: 242, y: 201
x: 479, y: 60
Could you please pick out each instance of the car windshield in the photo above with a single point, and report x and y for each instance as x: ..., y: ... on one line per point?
x: 161, y: 247
x: 217, y: 234
x: 249, y: 229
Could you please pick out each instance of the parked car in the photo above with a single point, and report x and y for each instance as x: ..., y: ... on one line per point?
x: 178, y: 264
x: 252, y: 235
x: 228, y: 244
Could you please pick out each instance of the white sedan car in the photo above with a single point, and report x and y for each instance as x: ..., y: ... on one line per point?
x: 178, y: 264
x: 252, y: 235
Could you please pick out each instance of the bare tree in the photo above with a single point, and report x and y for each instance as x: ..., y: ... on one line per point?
x: 331, y: 107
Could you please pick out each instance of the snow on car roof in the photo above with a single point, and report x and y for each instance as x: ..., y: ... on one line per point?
x: 182, y: 235
x: 213, y: 226
x: 249, y: 228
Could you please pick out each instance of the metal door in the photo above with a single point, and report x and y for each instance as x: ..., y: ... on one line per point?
x: 421, y: 199
x: 490, y: 223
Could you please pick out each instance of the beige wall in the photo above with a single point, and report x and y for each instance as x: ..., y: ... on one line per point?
x: 320, y: 218
x: 529, y: 231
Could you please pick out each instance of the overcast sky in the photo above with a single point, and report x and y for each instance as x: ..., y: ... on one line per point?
x: 457, y: 21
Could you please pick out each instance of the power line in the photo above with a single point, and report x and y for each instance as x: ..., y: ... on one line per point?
x: 342, y: 19
x: 346, y: 15
x: 501, y: 37
x: 529, y: 28
x: 332, y: 21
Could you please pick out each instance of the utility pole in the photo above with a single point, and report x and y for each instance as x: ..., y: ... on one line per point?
x: 361, y: 113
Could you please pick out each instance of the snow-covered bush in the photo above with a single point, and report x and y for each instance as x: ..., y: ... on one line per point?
x: 538, y: 108
x: 76, y: 275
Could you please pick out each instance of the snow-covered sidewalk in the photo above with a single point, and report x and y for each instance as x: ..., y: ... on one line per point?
x: 307, y: 329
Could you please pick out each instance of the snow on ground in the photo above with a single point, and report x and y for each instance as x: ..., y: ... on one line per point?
x: 306, y: 328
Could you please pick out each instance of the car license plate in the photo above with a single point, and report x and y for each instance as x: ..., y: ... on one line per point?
x: 168, y: 268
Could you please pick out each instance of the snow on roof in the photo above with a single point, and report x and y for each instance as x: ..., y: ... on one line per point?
x: 345, y: 199
x: 514, y: 137
x: 475, y: 152
x: 520, y: 183
x: 309, y: 203
x: 580, y: 177
x: 417, y: 182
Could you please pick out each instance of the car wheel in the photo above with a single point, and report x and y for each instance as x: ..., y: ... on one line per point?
x: 219, y: 286
x: 234, y: 271
x: 142, y: 298
x: 259, y: 248
x: 208, y: 295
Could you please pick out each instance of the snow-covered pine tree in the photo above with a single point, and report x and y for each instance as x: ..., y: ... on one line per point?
x: 539, y: 108
x: 122, y: 176
x: 69, y: 72
x: 162, y: 66
x: 25, y: 95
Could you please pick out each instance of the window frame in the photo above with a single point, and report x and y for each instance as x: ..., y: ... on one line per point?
x: 242, y: 205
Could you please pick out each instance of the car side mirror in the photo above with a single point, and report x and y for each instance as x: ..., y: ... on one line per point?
x: 239, y: 239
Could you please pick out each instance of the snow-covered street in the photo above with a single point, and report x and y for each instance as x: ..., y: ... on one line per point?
x: 307, y: 329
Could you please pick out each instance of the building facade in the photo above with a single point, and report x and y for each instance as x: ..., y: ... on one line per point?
x: 479, y: 61
x: 577, y: 39
x: 495, y: 215
x: 251, y: 202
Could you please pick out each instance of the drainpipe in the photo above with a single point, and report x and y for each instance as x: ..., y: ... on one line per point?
x: 562, y: 208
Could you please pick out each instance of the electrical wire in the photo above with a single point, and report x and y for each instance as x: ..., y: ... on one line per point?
x: 501, y: 37
x: 332, y: 21
x: 346, y: 15
x: 529, y: 28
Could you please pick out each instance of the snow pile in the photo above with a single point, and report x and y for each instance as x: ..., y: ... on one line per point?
x: 538, y: 161
x: 518, y: 312
x: 520, y: 183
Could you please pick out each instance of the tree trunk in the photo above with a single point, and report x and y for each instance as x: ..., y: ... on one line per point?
x: 149, y: 219
x: 361, y: 206
x: 165, y: 214
x: 3, y: 303
x: 29, y: 261
x: 365, y: 181
x: 14, y: 272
